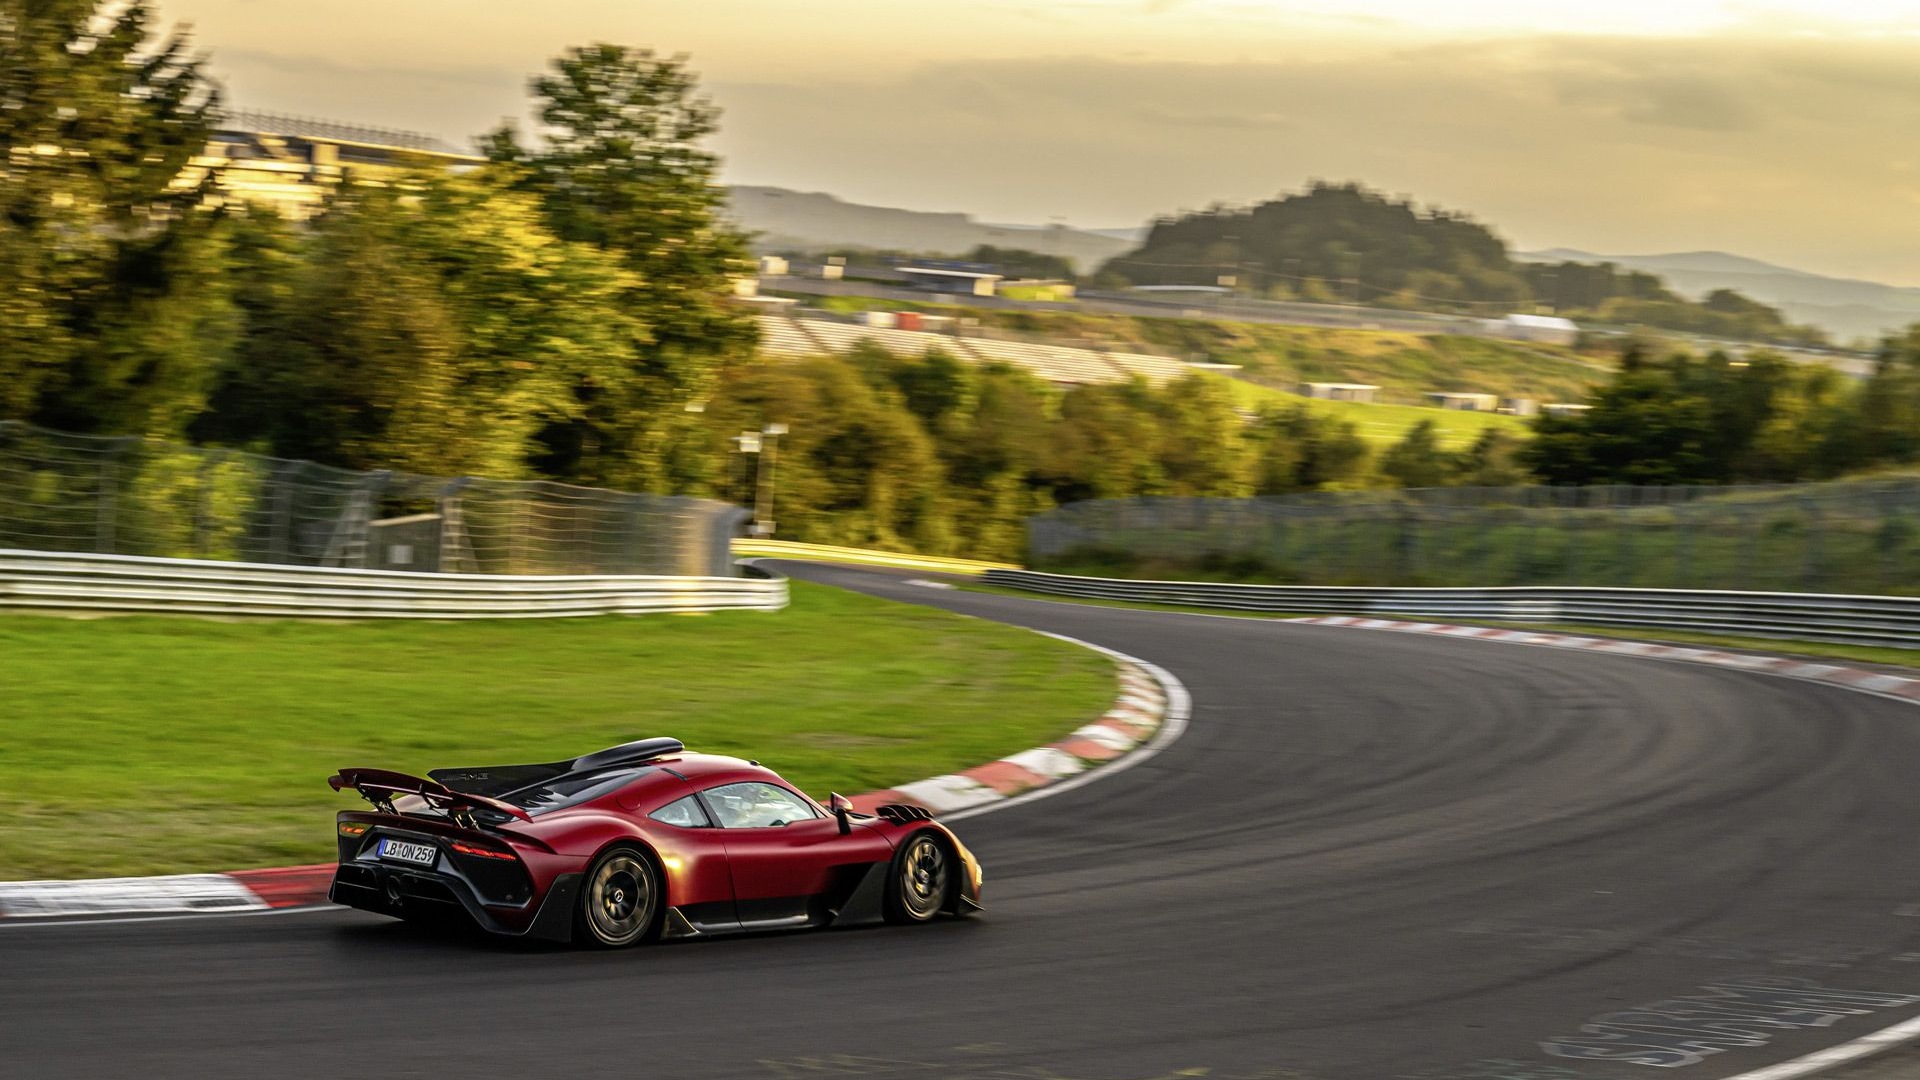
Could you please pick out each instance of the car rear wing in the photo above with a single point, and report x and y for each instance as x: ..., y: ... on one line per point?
x: 379, y: 786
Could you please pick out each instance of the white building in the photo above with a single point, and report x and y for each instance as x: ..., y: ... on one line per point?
x: 1339, y: 391
x: 1464, y: 402
x: 1547, y: 329
x: 950, y: 281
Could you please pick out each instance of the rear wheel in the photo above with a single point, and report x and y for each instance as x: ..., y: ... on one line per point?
x: 619, y: 901
x: 922, y: 879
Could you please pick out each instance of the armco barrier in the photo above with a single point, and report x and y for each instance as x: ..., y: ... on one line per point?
x: 785, y: 549
x: 123, y: 583
x: 1857, y: 620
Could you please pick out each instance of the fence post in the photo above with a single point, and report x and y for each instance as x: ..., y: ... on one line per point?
x: 1684, y: 528
x: 280, y: 524
x: 454, y: 554
x: 106, y: 522
x: 203, y: 503
x: 1815, y: 544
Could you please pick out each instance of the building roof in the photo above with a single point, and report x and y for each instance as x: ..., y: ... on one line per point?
x: 969, y: 275
x: 306, y: 127
x: 1542, y: 322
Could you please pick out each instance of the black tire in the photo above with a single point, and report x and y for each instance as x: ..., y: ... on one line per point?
x: 922, y: 879
x: 620, y: 900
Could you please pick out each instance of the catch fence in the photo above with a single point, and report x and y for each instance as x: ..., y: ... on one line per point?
x: 132, y: 496
x: 1861, y: 537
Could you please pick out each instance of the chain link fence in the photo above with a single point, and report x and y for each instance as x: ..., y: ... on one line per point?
x: 132, y: 496
x: 1861, y: 537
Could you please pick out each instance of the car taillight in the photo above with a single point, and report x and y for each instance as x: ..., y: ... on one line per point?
x: 484, y: 853
x: 352, y: 828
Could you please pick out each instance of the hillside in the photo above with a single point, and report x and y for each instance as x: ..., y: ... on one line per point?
x: 1281, y: 357
x: 812, y: 221
x: 1349, y: 243
x: 1845, y: 307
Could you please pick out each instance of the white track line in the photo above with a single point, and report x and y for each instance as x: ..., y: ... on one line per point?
x: 1821, y: 1060
x: 1172, y: 725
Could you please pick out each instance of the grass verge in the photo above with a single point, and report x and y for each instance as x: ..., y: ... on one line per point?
x: 1866, y: 654
x: 149, y: 744
x: 1379, y: 423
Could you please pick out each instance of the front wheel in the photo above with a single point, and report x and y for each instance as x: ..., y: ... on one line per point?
x: 922, y: 880
x: 619, y: 900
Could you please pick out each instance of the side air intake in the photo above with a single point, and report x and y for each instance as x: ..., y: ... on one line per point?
x: 627, y: 754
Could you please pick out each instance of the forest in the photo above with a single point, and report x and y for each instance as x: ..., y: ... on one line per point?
x: 1345, y: 243
x: 563, y: 311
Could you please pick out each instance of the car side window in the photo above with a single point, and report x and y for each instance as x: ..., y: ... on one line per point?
x: 686, y: 813
x: 755, y: 805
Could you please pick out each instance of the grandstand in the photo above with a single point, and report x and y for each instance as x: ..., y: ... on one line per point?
x: 785, y: 337
x: 293, y: 163
x: 1152, y: 368
x: 782, y: 337
x: 1054, y: 363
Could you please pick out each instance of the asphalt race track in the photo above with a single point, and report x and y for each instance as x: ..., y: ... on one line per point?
x: 1371, y: 856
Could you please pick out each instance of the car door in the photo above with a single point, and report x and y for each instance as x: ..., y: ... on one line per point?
x: 782, y: 851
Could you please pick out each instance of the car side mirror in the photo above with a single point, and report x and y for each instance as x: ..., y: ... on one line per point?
x: 841, y: 806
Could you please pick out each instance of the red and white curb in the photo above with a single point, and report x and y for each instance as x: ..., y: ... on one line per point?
x: 1150, y: 712
x: 1899, y: 687
x: 174, y: 894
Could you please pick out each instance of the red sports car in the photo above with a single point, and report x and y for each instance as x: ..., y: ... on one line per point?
x: 639, y: 841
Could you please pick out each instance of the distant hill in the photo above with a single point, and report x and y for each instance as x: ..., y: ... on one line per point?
x: 814, y: 221
x: 1845, y: 307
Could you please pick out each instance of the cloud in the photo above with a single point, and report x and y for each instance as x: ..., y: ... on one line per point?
x: 1778, y: 149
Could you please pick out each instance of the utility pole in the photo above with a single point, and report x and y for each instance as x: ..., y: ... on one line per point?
x: 768, y: 440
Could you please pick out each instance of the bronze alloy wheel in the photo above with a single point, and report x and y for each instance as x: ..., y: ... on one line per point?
x: 921, y: 878
x: 620, y: 899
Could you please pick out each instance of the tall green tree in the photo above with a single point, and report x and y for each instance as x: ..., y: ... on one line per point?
x: 1299, y: 450
x: 113, y: 316
x: 1416, y: 461
x: 437, y: 326
x: 621, y: 165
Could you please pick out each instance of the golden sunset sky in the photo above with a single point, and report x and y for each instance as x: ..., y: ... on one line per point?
x: 1787, y: 131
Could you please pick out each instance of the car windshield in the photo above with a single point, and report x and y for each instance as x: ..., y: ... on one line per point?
x: 537, y: 799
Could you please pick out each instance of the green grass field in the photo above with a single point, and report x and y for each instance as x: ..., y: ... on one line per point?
x: 1381, y: 424
x: 149, y: 744
x: 1280, y: 358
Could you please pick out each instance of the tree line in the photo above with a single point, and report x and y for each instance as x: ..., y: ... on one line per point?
x: 552, y: 312
x: 563, y: 311
x: 1344, y: 243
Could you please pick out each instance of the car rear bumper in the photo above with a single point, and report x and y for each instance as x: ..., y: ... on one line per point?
x: 406, y: 892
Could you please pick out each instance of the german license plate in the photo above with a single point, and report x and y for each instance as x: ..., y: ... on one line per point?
x: 408, y: 851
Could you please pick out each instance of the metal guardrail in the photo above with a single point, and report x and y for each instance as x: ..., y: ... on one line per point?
x: 1856, y: 620
x: 786, y: 549
x: 55, y: 581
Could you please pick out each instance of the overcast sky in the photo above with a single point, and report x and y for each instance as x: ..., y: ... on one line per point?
x: 1781, y: 130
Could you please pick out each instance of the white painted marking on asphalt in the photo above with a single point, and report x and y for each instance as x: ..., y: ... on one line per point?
x: 952, y: 792
x: 925, y: 584
x: 178, y: 892
x: 25, y: 921
x: 1046, y: 761
x: 1173, y: 724
x: 1110, y: 738
x: 1821, y: 1060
